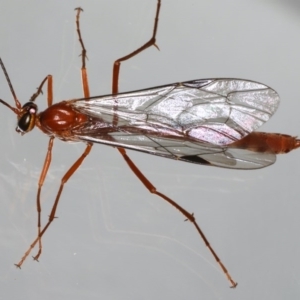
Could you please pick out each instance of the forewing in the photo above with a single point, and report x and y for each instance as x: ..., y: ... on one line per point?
x: 192, y: 121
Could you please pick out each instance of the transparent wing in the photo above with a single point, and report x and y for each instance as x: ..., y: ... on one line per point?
x: 194, y: 121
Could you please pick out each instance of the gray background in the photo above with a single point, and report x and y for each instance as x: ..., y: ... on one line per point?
x: 113, y: 240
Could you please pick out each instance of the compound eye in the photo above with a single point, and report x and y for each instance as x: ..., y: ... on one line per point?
x: 26, y: 120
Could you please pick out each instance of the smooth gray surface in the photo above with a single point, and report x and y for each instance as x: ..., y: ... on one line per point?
x: 113, y: 240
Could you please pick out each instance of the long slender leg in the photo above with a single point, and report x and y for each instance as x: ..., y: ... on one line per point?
x: 47, y: 158
x: 66, y: 177
x: 38, y: 201
x: 151, y: 42
x: 49, y: 90
x: 41, y: 182
x: 84, y: 76
x: 190, y: 216
x: 47, y: 162
x: 75, y: 166
x: 140, y: 175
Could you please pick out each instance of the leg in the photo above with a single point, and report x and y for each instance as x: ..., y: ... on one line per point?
x: 84, y: 77
x: 38, y: 202
x: 38, y: 197
x: 75, y: 166
x: 188, y: 216
x: 47, y: 162
x: 151, y: 42
x: 49, y: 90
x: 66, y: 177
x: 47, y: 159
x: 139, y: 174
